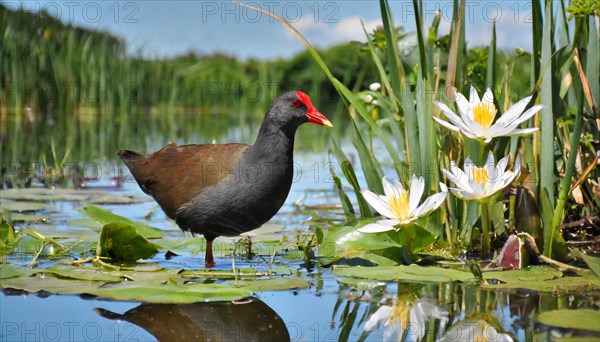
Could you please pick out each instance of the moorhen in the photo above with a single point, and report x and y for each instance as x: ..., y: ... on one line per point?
x: 227, y: 189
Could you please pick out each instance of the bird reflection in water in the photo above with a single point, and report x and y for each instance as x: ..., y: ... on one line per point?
x: 247, y: 320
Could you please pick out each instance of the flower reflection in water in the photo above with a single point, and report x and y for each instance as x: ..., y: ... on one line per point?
x: 474, y: 330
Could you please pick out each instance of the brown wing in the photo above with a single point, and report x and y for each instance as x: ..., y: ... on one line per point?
x: 176, y: 174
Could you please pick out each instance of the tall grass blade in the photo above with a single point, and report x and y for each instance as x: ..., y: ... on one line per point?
x: 546, y: 147
x: 346, y: 203
x: 565, y: 184
x: 420, y: 39
x: 385, y: 80
x: 455, y: 47
x: 425, y: 121
x: 368, y: 164
x: 537, y: 34
x: 399, y: 89
x: 394, y: 63
x: 491, y: 69
x: 592, y: 67
x: 350, y: 175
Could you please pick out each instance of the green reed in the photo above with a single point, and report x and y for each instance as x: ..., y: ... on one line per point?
x: 568, y: 124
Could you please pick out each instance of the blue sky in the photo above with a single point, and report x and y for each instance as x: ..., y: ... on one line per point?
x: 161, y: 28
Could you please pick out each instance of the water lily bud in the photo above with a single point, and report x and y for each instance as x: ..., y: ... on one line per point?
x: 513, y: 255
x: 368, y: 98
x: 527, y: 215
x: 375, y: 86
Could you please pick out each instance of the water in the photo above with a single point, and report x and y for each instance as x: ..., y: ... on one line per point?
x: 330, y: 309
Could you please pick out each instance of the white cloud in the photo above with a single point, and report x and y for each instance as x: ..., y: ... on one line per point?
x: 510, y: 32
x: 325, y: 34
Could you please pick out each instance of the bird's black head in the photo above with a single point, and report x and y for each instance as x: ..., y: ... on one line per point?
x: 294, y: 108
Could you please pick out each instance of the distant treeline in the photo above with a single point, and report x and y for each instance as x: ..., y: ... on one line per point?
x: 50, y: 66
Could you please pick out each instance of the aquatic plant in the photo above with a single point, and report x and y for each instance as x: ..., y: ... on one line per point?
x: 399, y: 114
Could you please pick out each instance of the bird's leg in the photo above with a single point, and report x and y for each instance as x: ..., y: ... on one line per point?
x: 248, y: 244
x: 209, y: 261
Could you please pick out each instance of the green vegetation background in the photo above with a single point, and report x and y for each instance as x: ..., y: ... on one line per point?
x: 48, y: 66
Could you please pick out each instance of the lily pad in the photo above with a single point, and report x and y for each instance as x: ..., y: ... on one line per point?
x: 180, y: 294
x: 528, y: 274
x: 249, y: 273
x: 51, y: 284
x: 584, y: 319
x: 154, y: 276
x: 132, y: 291
x: 543, y: 279
x: 118, y: 199
x: 103, y: 217
x: 120, y: 241
x: 76, y: 234
x: 85, y: 222
x: 19, y: 206
x: 190, y: 245
x: 273, y: 284
x: 348, y: 242
x: 81, y: 273
x: 339, y: 240
x: 28, y: 218
x: 409, y: 273
x: 11, y: 270
x: 57, y: 194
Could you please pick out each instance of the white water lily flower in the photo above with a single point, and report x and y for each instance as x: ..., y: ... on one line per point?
x: 401, y: 206
x: 476, y: 120
x: 479, y: 183
x: 412, y: 317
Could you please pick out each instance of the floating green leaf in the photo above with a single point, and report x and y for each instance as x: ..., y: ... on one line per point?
x: 80, y: 273
x: 402, y: 272
x: 117, y: 199
x: 51, y: 285
x: 348, y: 242
x: 58, y: 194
x: 103, y: 217
x: 85, y: 222
x: 528, y: 274
x: 19, y: 206
x: 120, y: 241
x: 11, y: 270
x: 131, y: 291
x: 339, y: 240
x: 583, y: 319
x: 180, y: 294
x: 543, y: 279
x: 273, y: 284
x: 28, y: 218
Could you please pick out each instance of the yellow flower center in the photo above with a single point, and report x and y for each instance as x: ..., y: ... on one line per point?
x: 399, y: 205
x: 484, y: 114
x: 400, y: 313
x: 479, y: 174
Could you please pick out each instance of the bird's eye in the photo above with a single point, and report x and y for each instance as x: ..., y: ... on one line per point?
x: 297, y: 103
